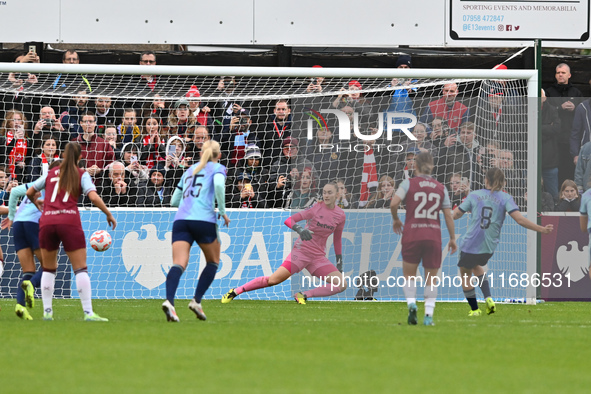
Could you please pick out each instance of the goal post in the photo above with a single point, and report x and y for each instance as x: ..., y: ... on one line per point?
x: 359, y: 127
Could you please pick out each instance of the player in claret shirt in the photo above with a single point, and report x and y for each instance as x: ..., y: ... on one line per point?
x: 488, y: 207
x: 309, y: 251
x: 60, y: 223
x: 421, y: 237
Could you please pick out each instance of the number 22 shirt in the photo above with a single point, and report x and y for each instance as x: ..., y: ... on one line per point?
x: 424, y: 197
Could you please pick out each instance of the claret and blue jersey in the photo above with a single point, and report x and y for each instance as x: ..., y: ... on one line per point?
x: 488, y: 215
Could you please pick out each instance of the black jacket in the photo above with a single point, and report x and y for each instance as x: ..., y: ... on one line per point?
x: 557, y: 95
x: 550, y: 135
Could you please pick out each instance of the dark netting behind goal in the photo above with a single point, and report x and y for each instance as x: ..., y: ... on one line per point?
x: 282, y: 140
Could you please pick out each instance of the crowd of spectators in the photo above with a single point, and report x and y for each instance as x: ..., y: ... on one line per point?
x: 136, y: 150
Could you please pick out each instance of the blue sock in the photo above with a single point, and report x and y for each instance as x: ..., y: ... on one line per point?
x: 172, y: 282
x: 207, y: 276
x: 36, y: 279
x: 20, y: 294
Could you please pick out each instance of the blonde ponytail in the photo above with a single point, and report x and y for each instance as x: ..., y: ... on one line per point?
x: 210, y: 150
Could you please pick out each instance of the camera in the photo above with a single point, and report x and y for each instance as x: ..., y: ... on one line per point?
x: 243, y: 121
x: 48, y: 123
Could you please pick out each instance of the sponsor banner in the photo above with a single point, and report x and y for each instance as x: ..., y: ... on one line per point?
x: 257, y: 242
x: 565, y: 253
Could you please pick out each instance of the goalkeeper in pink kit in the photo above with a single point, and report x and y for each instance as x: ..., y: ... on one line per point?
x: 323, y: 219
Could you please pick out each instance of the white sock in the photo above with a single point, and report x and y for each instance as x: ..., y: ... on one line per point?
x: 430, y: 298
x: 47, y: 286
x: 83, y: 287
x: 410, y: 291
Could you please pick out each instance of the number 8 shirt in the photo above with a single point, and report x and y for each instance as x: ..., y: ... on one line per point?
x: 488, y: 214
x: 424, y: 198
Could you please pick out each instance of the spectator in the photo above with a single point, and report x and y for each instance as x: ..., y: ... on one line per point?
x: 105, y: 114
x: 155, y: 108
x: 251, y: 166
x: 49, y: 124
x: 563, y: 96
x: 199, y: 110
x: 97, y: 152
x: 354, y: 99
x: 368, y: 181
x: 581, y: 128
x: 550, y: 153
x: 315, y: 84
x: 439, y: 133
x: 129, y: 131
x: 70, y: 118
x: 343, y: 197
x: 116, y: 189
x: 421, y: 143
x: 461, y: 157
x: 224, y: 110
x: 13, y: 121
x: 194, y: 146
x: 503, y: 123
x: 153, y: 147
x: 448, y: 108
x: 176, y: 163
x: 329, y: 163
x: 181, y: 121
x: 149, y: 59
x: 19, y: 149
x: 515, y: 178
x: 570, y: 200
x: 305, y: 194
x: 278, y: 128
x: 284, y: 173
x: 244, y: 195
x: 401, y: 101
x: 40, y: 164
x: 6, y: 185
x: 110, y: 137
x: 20, y: 80
x: 583, y: 169
x: 408, y: 171
x: 137, y: 172
x: 384, y: 195
x: 459, y: 189
x: 155, y: 193
x: 234, y: 142
x: 68, y: 83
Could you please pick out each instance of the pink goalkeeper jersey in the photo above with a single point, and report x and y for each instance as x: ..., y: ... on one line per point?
x: 322, y: 222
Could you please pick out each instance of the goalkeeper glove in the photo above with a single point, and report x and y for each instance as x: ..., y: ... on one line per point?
x: 305, y: 234
x: 340, y: 262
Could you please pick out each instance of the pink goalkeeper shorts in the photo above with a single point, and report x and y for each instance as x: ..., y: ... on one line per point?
x: 316, y: 265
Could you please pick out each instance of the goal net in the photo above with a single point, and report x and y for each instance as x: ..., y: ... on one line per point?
x: 284, y: 134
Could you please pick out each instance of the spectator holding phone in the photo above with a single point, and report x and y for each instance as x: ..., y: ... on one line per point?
x: 244, y: 195
x: 49, y: 124
x: 130, y: 157
x: 459, y: 187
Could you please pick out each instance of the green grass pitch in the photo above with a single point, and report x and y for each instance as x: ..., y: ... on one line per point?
x: 282, y: 347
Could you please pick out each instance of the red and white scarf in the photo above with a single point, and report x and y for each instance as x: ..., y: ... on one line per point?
x: 45, y: 163
x: 152, y: 159
x: 369, y: 177
x: 17, y: 154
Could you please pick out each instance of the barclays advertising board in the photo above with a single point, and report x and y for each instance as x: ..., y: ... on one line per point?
x: 257, y: 242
